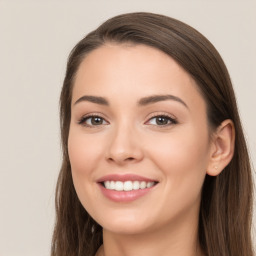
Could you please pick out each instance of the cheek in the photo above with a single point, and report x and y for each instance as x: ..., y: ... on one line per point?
x: 84, y: 152
x: 183, y: 158
x: 180, y: 150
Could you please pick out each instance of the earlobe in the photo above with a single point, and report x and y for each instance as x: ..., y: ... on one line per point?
x: 223, y: 144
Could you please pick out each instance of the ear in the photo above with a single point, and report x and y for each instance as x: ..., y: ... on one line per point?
x: 222, y: 150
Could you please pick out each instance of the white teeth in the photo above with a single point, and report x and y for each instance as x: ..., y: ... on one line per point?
x: 127, y: 185
x: 150, y: 184
x: 143, y: 185
x: 136, y: 185
x: 119, y: 186
x: 112, y: 185
x: 107, y: 184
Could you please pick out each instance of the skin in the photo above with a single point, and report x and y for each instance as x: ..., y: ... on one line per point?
x: 128, y: 140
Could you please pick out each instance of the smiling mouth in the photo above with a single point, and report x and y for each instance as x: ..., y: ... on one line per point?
x: 127, y: 185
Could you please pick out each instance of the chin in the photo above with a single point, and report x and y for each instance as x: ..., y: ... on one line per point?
x: 125, y: 225
x: 125, y: 229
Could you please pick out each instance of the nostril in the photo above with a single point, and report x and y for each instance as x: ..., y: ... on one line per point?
x: 123, y: 156
x: 110, y: 159
x: 129, y: 158
x: 119, y: 160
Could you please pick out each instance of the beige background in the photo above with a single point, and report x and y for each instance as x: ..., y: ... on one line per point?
x: 35, y: 39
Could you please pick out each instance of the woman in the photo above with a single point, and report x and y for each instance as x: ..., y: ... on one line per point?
x: 154, y: 157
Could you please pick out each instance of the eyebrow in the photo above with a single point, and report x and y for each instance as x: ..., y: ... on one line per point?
x: 142, y: 102
x: 93, y: 99
x: 156, y: 98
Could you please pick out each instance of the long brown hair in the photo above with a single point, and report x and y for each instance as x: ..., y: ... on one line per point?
x: 226, y: 204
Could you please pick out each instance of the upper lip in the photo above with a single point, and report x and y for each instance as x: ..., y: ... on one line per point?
x: 124, y: 177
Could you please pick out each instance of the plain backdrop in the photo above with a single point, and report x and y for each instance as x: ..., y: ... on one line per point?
x: 35, y: 40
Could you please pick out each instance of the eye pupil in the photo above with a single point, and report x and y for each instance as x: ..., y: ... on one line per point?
x: 161, y: 120
x: 96, y: 120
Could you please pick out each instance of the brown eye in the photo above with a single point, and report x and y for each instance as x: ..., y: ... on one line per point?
x: 161, y: 120
x: 96, y: 120
x: 92, y: 121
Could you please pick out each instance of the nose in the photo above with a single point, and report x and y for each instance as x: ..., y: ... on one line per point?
x: 124, y: 146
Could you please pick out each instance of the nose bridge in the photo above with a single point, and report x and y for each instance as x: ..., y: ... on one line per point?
x: 124, y: 143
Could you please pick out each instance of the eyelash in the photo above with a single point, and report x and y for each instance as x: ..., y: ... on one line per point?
x: 83, y: 120
x: 171, y: 120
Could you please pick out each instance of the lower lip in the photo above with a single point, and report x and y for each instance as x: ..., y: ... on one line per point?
x: 124, y: 196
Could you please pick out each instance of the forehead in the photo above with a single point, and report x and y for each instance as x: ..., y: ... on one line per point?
x: 132, y: 71
x: 128, y: 59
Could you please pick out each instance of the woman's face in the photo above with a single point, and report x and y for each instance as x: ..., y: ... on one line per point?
x: 138, y: 120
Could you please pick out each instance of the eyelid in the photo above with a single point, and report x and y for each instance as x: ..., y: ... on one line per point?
x: 172, y: 118
x: 90, y: 115
x: 163, y: 114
